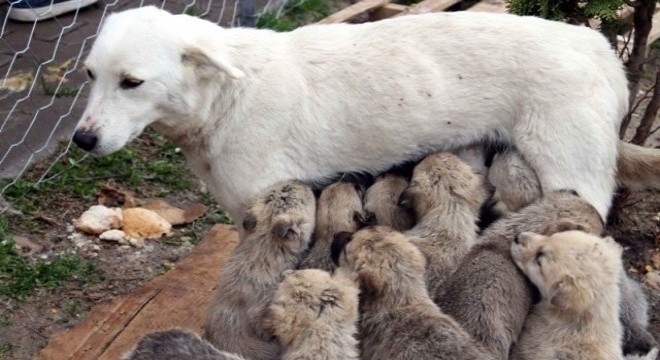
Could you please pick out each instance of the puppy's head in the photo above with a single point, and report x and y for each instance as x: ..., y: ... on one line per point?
x: 382, y: 202
x: 442, y: 178
x: 285, y: 213
x: 382, y: 258
x: 571, y: 269
x: 145, y: 67
x: 340, y: 209
x: 309, y: 298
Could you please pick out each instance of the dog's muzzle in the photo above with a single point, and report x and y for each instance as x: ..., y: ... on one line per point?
x: 85, y: 139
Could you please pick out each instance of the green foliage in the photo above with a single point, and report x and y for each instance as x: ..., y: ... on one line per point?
x: 295, y: 13
x: 567, y: 10
x: 19, y: 278
x: 129, y: 167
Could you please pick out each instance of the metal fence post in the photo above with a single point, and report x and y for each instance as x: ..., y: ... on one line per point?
x: 248, y: 13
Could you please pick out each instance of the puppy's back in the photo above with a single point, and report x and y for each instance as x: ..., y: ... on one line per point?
x: 176, y: 344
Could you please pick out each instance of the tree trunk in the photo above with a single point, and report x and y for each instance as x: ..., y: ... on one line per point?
x: 642, y: 20
x: 644, y: 129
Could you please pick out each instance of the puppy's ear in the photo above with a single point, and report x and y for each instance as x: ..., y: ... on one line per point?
x: 560, y: 294
x: 406, y: 199
x: 249, y: 222
x: 209, y: 64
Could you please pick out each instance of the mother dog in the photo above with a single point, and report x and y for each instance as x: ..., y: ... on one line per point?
x: 252, y: 107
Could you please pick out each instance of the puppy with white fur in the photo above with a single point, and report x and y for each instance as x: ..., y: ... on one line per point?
x: 251, y: 107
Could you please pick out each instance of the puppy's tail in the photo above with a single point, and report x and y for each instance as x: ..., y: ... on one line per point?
x: 638, y: 167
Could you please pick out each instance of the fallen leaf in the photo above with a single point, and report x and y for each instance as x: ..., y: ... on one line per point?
x: 653, y: 279
x: 26, y: 246
x: 113, y: 196
x: 175, y: 215
x: 17, y: 83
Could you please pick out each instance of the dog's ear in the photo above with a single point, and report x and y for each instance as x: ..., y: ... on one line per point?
x: 209, y: 64
x: 560, y: 293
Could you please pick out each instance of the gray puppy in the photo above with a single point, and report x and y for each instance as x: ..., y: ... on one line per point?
x: 278, y: 229
x: 339, y: 208
x: 445, y: 195
x: 382, y: 200
x: 487, y: 294
x: 398, y: 318
x: 176, y: 344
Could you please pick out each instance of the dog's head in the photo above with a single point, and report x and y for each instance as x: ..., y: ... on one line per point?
x: 143, y: 68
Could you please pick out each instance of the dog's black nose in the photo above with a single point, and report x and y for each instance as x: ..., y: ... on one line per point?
x: 339, y: 242
x: 85, y: 139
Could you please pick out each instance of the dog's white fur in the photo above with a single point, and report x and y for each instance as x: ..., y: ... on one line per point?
x: 252, y: 107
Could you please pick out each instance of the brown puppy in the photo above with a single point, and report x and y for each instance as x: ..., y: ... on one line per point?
x: 176, y: 344
x: 382, y: 200
x: 314, y: 315
x: 278, y: 229
x: 445, y: 195
x: 339, y: 209
x: 399, y: 320
x: 578, y: 277
x: 487, y: 294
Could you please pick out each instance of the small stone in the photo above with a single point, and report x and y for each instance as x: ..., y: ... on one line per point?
x: 96, y: 248
x: 115, y: 235
x: 124, y: 247
x: 136, y: 242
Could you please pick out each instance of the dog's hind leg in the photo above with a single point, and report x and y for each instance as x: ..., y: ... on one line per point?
x: 572, y: 148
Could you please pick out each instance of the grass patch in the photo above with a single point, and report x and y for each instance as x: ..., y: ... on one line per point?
x: 64, y: 90
x: 295, y: 13
x: 5, y: 349
x: 130, y: 167
x: 19, y: 278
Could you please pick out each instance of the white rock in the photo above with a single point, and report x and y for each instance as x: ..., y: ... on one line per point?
x: 115, y: 235
x: 98, y: 219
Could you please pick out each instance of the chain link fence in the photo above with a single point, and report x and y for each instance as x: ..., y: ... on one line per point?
x: 42, y: 88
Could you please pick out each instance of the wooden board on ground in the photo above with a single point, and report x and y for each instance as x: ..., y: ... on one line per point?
x: 353, y: 11
x: 494, y: 6
x: 176, y: 299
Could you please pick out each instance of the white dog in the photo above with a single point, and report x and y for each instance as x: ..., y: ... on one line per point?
x: 253, y: 107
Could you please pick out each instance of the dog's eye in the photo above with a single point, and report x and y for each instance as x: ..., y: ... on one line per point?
x: 90, y: 74
x: 130, y: 83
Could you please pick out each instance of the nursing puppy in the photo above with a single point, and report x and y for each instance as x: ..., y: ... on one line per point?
x: 398, y: 318
x: 487, y: 294
x: 445, y: 195
x: 578, y: 316
x: 382, y: 202
x: 339, y: 208
x: 314, y: 315
x: 251, y: 107
x: 278, y: 229
x: 515, y: 182
x: 176, y: 344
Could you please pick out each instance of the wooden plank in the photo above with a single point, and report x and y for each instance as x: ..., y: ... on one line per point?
x: 353, y: 11
x: 387, y: 11
x: 429, y: 6
x: 176, y: 299
x: 494, y: 6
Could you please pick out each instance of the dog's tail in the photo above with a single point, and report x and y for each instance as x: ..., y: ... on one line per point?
x: 638, y: 167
